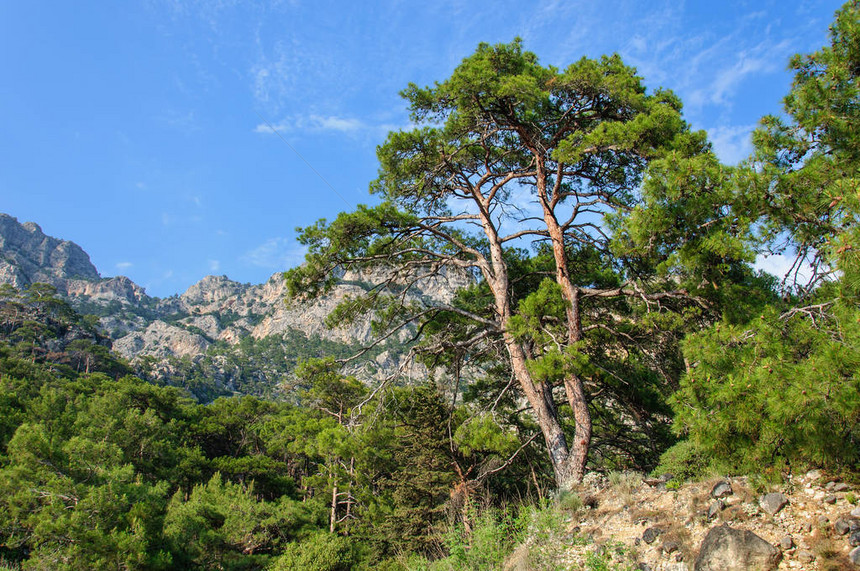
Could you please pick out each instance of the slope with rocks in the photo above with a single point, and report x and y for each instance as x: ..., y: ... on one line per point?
x: 811, y: 522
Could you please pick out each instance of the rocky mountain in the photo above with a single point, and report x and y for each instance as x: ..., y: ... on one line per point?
x: 27, y: 256
x: 201, y: 331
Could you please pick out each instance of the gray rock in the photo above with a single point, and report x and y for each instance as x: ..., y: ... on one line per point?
x: 670, y: 547
x: 854, y: 556
x: 715, y: 508
x: 786, y: 542
x: 823, y: 520
x: 840, y: 487
x: 829, y: 486
x: 650, y: 534
x: 643, y: 567
x: 721, y: 490
x: 161, y: 339
x: 773, y: 502
x: 29, y: 256
x: 841, y: 526
x: 805, y: 556
x: 728, y: 549
x: 855, y: 512
x: 831, y: 499
x: 854, y: 539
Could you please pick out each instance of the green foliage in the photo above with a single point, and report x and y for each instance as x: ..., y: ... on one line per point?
x: 774, y: 386
x: 783, y: 390
x: 99, y: 469
x: 419, y: 489
x: 807, y: 166
x: 492, y: 538
x: 321, y: 552
x: 222, y: 525
x: 688, y: 461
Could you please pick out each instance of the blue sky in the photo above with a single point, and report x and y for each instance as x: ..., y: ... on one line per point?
x: 137, y: 129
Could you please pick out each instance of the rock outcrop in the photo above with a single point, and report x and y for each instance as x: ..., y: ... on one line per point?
x: 729, y: 549
x: 160, y: 339
x: 28, y: 256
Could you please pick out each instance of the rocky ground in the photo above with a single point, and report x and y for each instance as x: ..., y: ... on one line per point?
x: 812, y: 522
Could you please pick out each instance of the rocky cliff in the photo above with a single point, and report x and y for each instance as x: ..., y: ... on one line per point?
x: 212, y: 313
x: 28, y: 256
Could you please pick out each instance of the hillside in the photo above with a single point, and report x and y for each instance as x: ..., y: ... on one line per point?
x: 245, y: 338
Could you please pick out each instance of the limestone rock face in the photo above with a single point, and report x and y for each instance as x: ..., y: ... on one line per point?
x: 160, y: 339
x: 728, y: 549
x: 29, y: 256
x: 119, y: 289
x: 214, y: 293
x: 215, y: 308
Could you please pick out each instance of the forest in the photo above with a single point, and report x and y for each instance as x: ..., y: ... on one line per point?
x: 616, y: 323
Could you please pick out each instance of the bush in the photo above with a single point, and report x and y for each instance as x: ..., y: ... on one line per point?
x: 322, y: 551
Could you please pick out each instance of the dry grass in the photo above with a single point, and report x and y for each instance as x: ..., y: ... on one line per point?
x: 679, y: 534
x: 641, y: 515
x: 828, y: 552
x: 624, y: 484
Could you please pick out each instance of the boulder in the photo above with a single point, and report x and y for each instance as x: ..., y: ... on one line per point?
x: 728, y: 549
x: 721, y: 490
x: 651, y: 534
x: 715, y: 508
x: 773, y: 502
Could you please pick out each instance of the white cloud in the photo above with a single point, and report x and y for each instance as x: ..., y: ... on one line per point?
x: 214, y: 265
x: 732, y: 143
x: 123, y: 265
x: 345, y: 125
x: 316, y: 123
x: 276, y: 254
x: 780, y: 265
x: 766, y: 57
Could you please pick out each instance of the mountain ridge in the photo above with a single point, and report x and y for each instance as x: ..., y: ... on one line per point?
x: 213, y: 317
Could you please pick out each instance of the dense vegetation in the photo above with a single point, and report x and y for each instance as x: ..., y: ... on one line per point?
x: 103, y: 470
x: 645, y: 341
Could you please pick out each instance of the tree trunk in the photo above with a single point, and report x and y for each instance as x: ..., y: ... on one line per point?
x: 333, y: 516
x: 573, y: 385
x: 539, y: 397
